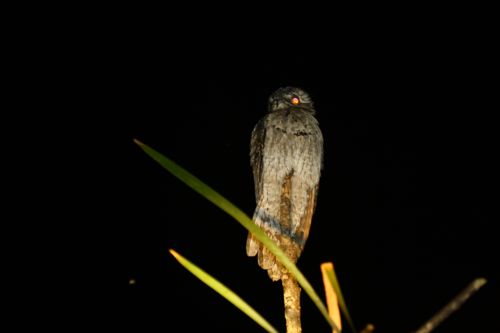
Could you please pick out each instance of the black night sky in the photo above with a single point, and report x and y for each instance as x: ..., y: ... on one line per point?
x: 406, y: 195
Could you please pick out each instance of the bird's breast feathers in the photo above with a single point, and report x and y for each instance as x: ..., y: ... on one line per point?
x: 293, y: 143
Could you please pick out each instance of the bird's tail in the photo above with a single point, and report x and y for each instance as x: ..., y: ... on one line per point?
x: 265, y: 258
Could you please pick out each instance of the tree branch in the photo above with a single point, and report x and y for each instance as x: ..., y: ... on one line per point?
x: 291, y: 295
x: 452, y: 306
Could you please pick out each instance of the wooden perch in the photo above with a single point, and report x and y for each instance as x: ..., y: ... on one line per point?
x: 291, y: 295
x: 452, y: 306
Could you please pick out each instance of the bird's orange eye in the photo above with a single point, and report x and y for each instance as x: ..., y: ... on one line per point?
x: 295, y: 100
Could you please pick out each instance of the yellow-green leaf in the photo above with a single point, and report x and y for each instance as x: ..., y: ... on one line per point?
x: 331, y: 296
x: 332, y: 277
x: 223, y: 291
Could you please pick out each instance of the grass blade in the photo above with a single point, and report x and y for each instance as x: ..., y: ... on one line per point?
x: 224, y: 204
x: 223, y: 291
x: 331, y: 296
x: 332, y: 277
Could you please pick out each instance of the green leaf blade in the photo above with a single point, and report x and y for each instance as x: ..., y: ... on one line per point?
x: 224, y: 291
x: 332, y: 277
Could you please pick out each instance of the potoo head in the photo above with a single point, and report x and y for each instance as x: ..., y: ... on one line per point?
x: 290, y: 98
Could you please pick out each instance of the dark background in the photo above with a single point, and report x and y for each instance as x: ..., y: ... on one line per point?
x: 406, y: 195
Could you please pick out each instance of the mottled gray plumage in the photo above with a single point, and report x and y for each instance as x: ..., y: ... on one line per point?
x: 286, y: 154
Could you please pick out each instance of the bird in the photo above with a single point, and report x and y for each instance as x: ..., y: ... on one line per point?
x: 286, y: 156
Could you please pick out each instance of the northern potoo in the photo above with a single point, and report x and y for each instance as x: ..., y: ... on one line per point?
x: 286, y: 153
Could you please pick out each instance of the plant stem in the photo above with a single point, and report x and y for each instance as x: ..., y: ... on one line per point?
x: 291, y: 295
x: 452, y: 306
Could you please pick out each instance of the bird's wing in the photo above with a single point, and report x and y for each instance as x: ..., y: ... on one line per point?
x: 256, y: 148
x: 304, y: 226
x: 257, y: 141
